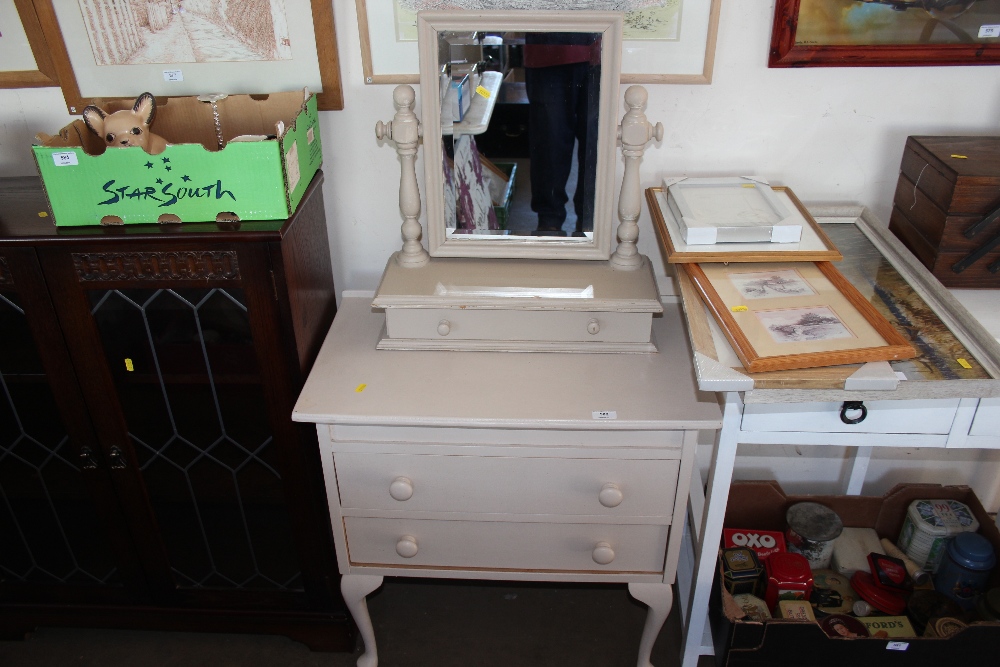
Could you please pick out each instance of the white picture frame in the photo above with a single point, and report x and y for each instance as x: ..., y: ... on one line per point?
x: 688, y: 59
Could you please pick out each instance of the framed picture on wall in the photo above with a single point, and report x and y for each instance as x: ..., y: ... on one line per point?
x: 672, y: 43
x: 120, y: 48
x: 859, y: 33
x: 24, y: 58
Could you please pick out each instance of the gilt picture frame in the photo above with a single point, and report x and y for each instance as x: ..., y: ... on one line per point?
x: 25, y: 58
x: 308, y: 37
x: 880, y: 33
x: 687, y: 56
x: 789, y: 315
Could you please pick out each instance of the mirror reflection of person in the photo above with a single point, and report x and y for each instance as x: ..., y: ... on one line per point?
x: 562, y: 73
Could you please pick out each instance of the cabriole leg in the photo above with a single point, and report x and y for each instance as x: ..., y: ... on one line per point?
x: 659, y: 598
x: 354, y: 588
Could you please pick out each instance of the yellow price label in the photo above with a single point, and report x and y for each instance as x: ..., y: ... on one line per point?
x: 964, y: 364
x: 749, y: 185
x: 739, y: 309
x: 128, y: 365
x: 482, y: 91
x: 360, y: 388
x: 43, y: 214
x: 960, y: 157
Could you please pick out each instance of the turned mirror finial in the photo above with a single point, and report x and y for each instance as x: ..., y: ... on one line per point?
x: 404, y: 131
x: 634, y: 132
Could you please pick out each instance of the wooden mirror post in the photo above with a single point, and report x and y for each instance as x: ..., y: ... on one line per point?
x: 634, y: 133
x: 404, y: 131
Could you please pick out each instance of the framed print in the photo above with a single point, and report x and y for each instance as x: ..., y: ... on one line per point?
x: 858, y: 33
x: 786, y: 315
x: 24, y: 58
x: 194, y: 47
x: 813, y: 245
x: 672, y: 43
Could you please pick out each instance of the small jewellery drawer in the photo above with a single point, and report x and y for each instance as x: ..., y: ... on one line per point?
x: 517, y: 325
x: 933, y: 416
x: 508, y: 485
x: 504, y: 545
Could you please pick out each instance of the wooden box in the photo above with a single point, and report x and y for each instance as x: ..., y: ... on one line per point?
x: 948, y: 188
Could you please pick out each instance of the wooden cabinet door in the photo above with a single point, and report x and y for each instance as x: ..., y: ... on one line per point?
x: 62, y: 534
x: 179, y: 347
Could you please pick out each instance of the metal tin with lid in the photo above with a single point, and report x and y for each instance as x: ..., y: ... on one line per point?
x: 812, y: 529
x: 928, y: 527
x: 788, y: 578
x: 886, y: 601
x: 741, y: 571
x: 967, y: 564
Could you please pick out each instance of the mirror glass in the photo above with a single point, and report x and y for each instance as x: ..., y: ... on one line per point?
x: 519, y: 117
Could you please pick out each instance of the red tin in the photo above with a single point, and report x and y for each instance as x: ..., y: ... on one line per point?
x: 763, y: 542
x: 885, y: 600
x: 788, y: 578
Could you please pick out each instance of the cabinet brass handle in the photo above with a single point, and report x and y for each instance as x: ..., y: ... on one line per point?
x: 853, y: 406
x: 87, y: 461
x: 117, y: 458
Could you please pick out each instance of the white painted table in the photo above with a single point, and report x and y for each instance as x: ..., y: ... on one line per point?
x: 937, y: 405
x: 513, y: 466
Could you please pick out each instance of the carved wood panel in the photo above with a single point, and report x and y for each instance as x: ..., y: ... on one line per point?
x: 177, y: 265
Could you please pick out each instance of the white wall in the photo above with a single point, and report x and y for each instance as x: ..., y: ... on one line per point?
x: 831, y: 134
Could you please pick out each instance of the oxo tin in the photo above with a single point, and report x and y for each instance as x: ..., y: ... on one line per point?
x: 928, y: 527
x: 812, y: 529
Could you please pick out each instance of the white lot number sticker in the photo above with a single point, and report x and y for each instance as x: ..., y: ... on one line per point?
x: 173, y: 75
x: 897, y: 646
x: 605, y: 414
x: 989, y: 31
x: 67, y: 159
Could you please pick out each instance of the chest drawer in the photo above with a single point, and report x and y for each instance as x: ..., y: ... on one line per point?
x: 505, y: 545
x: 517, y: 325
x: 933, y: 416
x: 509, y: 485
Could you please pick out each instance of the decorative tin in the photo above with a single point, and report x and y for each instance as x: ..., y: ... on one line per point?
x: 885, y: 627
x: 966, y: 568
x: 886, y: 601
x: 889, y: 573
x: 741, y: 571
x: 753, y: 608
x: 796, y: 610
x: 841, y: 625
x: 812, y: 528
x: 832, y: 593
x: 924, y: 605
x: 763, y: 542
x: 788, y: 578
x: 944, y: 627
x: 929, y: 525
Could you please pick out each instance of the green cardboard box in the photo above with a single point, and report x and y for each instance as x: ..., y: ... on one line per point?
x: 271, y: 151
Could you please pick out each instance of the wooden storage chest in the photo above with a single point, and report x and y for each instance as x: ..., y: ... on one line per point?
x: 946, y: 209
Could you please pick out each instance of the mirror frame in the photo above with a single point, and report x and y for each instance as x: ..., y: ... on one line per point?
x: 609, y: 24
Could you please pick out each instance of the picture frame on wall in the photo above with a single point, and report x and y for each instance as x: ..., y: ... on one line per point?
x: 175, y: 49
x: 879, y: 33
x: 674, y: 43
x: 24, y: 57
x: 788, y: 315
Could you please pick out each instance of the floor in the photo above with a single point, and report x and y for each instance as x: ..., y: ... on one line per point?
x: 417, y: 622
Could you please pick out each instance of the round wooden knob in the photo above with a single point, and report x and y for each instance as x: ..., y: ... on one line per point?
x: 401, y: 488
x: 444, y: 328
x: 610, y: 495
x: 603, y: 553
x: 593, y: 327
x: 407, y: 547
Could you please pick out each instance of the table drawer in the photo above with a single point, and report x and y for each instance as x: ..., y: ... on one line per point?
x: 506, y: 545
x: 987, y: 420
x: 933, y: 416
x: 509, y: 485
x: 514, y: 325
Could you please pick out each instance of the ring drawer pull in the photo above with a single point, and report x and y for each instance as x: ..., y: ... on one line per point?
x: 610, y: 495
x: 853, y: 406
x: 401, y: 489
x: 444, y: 328
x: 407, y: 546
x: 603, y: 553
x: 593, y: 327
